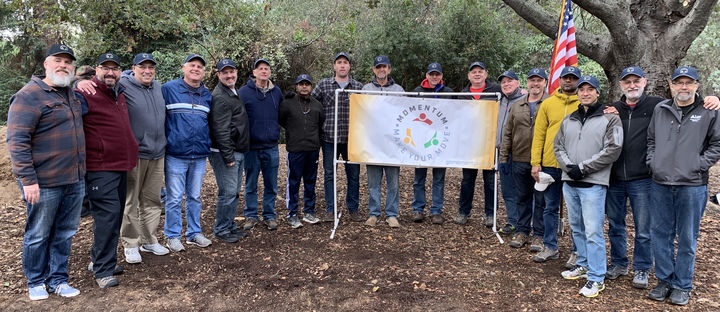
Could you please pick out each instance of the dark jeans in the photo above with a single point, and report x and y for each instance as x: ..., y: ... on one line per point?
x: 302, y: 165
x: 106, y: 190
x: 530, y: 203
x: 551, y: 213
x: 467, y: 190
x: 352, y: 171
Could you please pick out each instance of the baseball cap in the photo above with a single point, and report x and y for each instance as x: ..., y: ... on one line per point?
x: 195, y: 56
x: 591, y: 80
x: 381, y: 60
x: 260, y: 60
x: 56, y: 49
x: 142, y: 57
x: 108, y: 57
x: 303, y: 77
x: 226, y: 62
x: 545, y: 181
x: 685, y: 71
x: 339, y: 55
x: 570, y: 70
x: 508, y: 73
x: 481, y: 64
x: 632, y: 70
x: 434, y: 67
x: 539, y: 72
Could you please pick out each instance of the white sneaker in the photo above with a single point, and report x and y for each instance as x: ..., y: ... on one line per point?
x: 175, y: 245
x: 156, y: 249
x: 199, y: 240
x: 592, y: 289
x: 132, y: 255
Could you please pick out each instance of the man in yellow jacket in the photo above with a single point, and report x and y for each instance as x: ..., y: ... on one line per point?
x: 552, y: 111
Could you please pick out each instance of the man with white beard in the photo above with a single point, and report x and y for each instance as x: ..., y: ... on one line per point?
x: 47, y: 149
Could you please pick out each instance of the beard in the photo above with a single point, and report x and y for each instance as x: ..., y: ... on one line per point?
x: 60, y: 81
x: 684, y: 97
x: 634, y: 95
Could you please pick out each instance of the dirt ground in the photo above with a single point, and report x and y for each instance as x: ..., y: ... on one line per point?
x: 418, y: 267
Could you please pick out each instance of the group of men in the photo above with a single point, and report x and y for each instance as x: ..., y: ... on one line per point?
x: 117, y: 137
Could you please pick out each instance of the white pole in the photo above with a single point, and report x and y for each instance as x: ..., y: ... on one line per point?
x: 336, y: 220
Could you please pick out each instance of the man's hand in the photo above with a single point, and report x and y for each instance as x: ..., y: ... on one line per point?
x: 574, y: 172
x: 712, y: 102
x: 230, y: 164
x: 535, y: 172
x: 610, y: 110
x: 32, y: 193
x: 86, y: 86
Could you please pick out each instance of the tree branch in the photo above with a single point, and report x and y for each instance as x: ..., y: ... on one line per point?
x: 693, y: 23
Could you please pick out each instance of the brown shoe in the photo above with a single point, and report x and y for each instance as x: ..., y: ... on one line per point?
x: 393, y: 222
x: 518, y: 240
x: 355, y: 216
x: 438, y: 219
x: 536, y: 244
x: 372, y: 221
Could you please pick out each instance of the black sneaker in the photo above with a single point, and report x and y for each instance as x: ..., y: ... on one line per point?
x: 228, y: 237
x: 660, y: 292
x: 679, y: 297
x: 356, y: 217
x: 418, y: 216
x: 507, y: 229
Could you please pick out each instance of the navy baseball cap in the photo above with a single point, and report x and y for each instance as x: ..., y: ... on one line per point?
x: 56, y: 49
x: 339, y: 55
x: 195, y: 56
x: 481, y: 64
x: 108, y: 57
x: 142, y: 57
x: 226, y: 62
x: 508, y: 73
x: 591, y: 80
x: 539, y: 72
x: 260, y: 60
x: 632, y: 70
x: 685, y: 71
x: 303, y: 77
x: 570, y: 70
x: 434, y: 67
x: 381, y: 60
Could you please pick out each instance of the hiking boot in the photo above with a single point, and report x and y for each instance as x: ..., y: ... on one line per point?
x: 641, y: 279
x: 393, y: 222
x: 238, y: 233
x: 489, y: 221
x: 199, y: 240
x: 132, y: 255
x: 545, y: 255
x: 156, y: 249
x: 272, y: 224
x: 577, y: 272
x: 250, y: 223
x: 592, y: 289
x: 614, y: 271
x: 660, y: 292
x: 572, y: 261
x: 536, y: 244
x: 679, y: 297
x: 418, y: 216
x: 372, y: 221
x: 295, y: 222
x: 65, y: 290
x: 329, y: 216
x: 228, y: 237
x: 117, y: 271
x: 108, y: 281
x: 507, y: 229
x: 438, y: 219
x: 356, y: 217
x: 461, y: 219
x: 518, y: 240
x: 310, y: 218
x: 38, y: 292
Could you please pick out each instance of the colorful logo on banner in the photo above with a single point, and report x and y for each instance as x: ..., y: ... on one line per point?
x: 422, y: 131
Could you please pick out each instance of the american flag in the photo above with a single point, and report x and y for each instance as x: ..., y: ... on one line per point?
x: 564, y: 52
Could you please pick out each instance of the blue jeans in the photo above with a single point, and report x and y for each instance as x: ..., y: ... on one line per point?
x: 50, y: 226
x: 586, y: 212
x: 268, y: 161
x: 551, y: 213
x: 530, y: 202
x: 467, y: 190
x: 183, y: 176
x: 677, y: 211
x: 229, y: 180
x: 392, y: 198
x: 507, y: 187
x: 639, y: 193
x: 438, y: 190
x: 352, y: 173
x: 302, y: 166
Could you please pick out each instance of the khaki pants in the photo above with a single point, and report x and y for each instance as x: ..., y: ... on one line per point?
x: 142, y: 207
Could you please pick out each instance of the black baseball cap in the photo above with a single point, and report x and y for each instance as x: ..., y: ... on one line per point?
x: 195, y: 56
x: 108, y: 57
x: 142, y: 57
x: 260, y: 60
x: 226, y: 62
x: 303, y: 77
x: 339, y: 55
x: 56, y: 49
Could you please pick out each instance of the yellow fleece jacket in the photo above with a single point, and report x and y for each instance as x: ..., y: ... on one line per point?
x: 547, y: 123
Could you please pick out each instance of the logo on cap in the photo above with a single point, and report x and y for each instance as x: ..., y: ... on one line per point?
x: 535, y: 71
x: 109, y: 55
x: 506, y: 73
x: 630, y: 70
x: 433, y: 66
x: 571, y: 69
x: 586, y: 78
x: 224, y: 62
x: 145, y: 55
x: 63, y: 47
x: 683, y: 70
x: 378, y: 59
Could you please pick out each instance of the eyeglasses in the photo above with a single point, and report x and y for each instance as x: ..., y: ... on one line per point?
x: 144, y: 67
x: 684, y: 83
x: 105, y: 68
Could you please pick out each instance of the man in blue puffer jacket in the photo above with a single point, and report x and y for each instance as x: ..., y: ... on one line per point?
x: 262, y: 101
x: 187, y: 105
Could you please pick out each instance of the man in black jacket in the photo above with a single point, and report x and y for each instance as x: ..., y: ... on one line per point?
x: 230, y: 135
x: 302, y: 117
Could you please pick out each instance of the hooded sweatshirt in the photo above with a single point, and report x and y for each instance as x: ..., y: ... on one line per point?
x: 146, y: 110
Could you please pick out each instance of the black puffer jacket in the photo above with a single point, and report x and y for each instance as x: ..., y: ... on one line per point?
x: 229, y: 126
